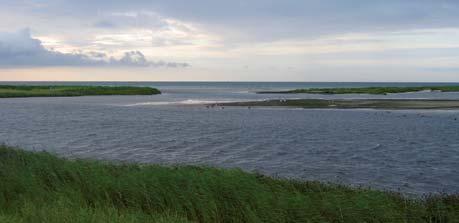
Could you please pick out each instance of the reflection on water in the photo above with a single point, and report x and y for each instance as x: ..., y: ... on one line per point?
x: 412, y: 151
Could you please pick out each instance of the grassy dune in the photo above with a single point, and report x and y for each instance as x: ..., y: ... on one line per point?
x: 39, y: 187
x: 9, y: 91
x: 366, y: 90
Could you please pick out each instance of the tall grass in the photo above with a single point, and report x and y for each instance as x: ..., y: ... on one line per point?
x: 39, y: 187
x: 9, y: 91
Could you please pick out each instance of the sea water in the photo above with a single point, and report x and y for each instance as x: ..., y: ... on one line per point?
x: 411, y: 151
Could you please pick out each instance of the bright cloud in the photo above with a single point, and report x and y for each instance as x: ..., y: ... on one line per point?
x: 21, y: 49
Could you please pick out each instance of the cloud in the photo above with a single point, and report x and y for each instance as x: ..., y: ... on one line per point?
x: 104, y: 24
x: 20, y: 49
x: 136, y: 58
x: 223, y: 35
x: 238, y: 20
x: 271, y: 19
x: 150, y: 29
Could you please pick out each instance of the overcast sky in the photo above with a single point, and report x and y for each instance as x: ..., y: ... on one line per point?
x: 216, y: 40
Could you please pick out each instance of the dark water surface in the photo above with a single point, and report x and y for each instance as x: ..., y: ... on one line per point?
x: 414, y: 151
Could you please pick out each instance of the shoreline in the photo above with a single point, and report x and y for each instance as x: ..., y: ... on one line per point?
x: 29, y: 91
x: 365, y: 90
x: 395, y: 104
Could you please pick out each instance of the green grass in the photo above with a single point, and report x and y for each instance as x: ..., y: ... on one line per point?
x: 39, y: 187
x: 367, y: 90
x: 13, y: 91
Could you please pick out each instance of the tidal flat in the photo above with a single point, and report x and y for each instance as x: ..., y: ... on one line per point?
x: 350, y: 103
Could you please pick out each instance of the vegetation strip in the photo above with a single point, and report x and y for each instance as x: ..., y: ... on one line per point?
x: 39, y: 187
x: 366, y: 90
x: 13, y: 91
x: 351, y: 103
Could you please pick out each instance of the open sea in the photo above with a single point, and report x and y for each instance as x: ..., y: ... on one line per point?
x: 411, y: 151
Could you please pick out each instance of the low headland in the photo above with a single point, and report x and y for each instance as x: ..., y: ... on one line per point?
x: 365, y: 90
x: 17, y: 91
x: 350, y: 103
x: 40, y: 187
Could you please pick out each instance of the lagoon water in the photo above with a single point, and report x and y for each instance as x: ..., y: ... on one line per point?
x: 411, y: 151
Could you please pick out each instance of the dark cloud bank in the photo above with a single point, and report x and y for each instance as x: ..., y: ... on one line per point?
x: 275, y: 19
x: 20, y: 49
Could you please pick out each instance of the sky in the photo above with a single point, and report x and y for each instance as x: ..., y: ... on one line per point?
x: 217, y: 40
